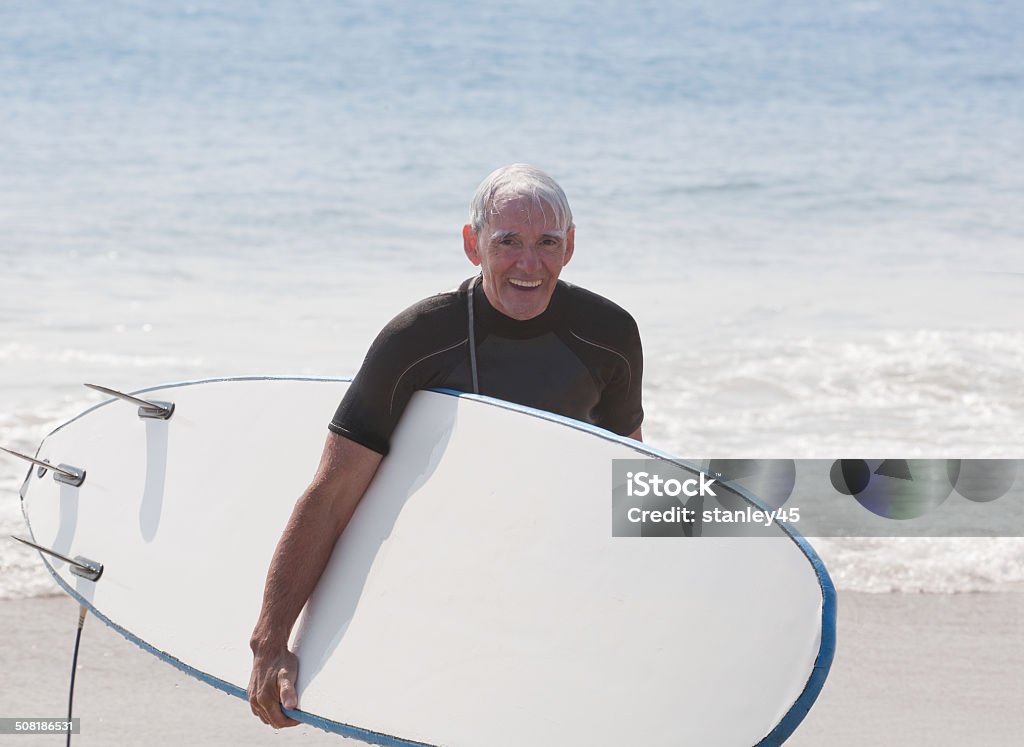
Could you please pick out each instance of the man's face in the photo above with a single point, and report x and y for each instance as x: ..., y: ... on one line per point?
x: 520, y: 250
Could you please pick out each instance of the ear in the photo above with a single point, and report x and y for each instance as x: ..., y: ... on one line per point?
x: 570, y: 244
x: 469, y: 244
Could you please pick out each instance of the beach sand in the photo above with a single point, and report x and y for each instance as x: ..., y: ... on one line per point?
x: 910, y: 669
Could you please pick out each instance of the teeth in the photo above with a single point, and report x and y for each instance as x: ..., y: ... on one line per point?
x: 525, y: 283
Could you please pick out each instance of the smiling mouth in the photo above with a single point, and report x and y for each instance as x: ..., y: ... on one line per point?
x: 526, y: 284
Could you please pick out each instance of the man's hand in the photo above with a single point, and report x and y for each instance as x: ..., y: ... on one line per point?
x: 272, y: 686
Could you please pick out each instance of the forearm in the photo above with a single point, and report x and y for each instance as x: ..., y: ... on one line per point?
x: 317, y: 521
x: 299, y: 560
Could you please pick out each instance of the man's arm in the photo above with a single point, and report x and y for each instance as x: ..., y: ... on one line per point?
x: 317, y: 521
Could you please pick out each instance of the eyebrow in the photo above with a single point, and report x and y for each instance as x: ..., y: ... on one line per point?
x: 499, y: 235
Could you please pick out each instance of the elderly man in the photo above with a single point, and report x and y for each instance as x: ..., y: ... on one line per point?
x: 515, y: 332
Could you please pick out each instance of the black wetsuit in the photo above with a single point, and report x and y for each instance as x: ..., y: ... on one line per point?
x: 581, y: 358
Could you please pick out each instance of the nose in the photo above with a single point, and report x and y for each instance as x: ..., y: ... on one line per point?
x: 528, y: 260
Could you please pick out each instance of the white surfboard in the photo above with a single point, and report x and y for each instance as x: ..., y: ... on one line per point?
x: 478, y: 596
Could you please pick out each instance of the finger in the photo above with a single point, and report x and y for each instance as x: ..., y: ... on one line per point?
x: 274, y: 716
x: 286, y: 684
x: 278, y: 719
x: 266, y: 705
x: 257, y: 710
x: 250, y: 694
x: 287, y: 721
x: 287, y: 695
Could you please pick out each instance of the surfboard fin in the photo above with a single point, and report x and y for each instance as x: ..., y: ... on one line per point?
x: 63, y: 473
x: 147, y: 408
x: 87, y: 569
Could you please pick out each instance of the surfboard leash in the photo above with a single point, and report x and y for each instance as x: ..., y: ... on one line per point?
x: 82, y: 611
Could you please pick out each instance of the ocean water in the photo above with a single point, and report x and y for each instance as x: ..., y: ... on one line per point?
x: 812, y: 209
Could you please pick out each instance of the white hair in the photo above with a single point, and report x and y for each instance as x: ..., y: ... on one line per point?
x: 512, y: 182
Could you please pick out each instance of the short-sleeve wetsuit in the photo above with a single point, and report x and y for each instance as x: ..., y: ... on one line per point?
x: 580, y: 358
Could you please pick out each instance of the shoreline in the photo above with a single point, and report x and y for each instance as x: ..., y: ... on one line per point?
x: 910, y: 669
